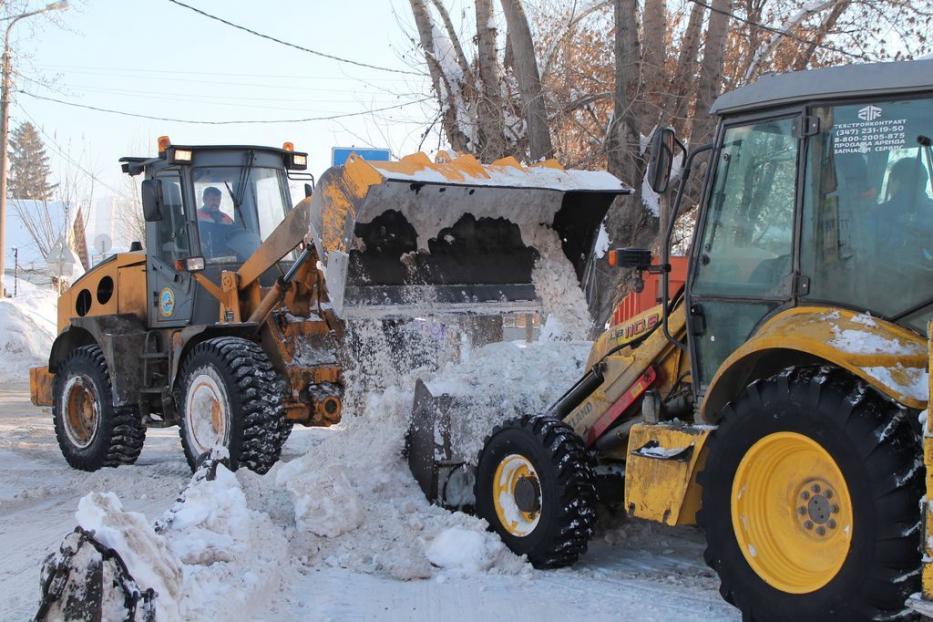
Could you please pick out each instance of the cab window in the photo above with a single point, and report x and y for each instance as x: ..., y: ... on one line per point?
x: 747, y: 241
x: 172, y: 230
x: 868, y: 209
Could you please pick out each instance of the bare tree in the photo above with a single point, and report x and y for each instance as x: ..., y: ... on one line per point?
x: 529, y: 80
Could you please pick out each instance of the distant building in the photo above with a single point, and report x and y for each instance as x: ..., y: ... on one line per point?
x: 54, y: 224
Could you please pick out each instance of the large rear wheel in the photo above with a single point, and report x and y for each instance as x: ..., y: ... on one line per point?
x: 91, y: 432
x: 810, y: 500
x: 229, y: 396
x: 536, y: 490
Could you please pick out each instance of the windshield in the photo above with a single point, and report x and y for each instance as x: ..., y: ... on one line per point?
x: 238, y: 207
x: 868, y: 209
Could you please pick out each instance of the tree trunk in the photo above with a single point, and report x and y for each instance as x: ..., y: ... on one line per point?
x: 628, y: 222
x: 710, y: 81
x: 492, y: 142
x: 454, y: 40
x: 683, y: 79
x: 529, y: 80
x: 652, y: 71
x: 442, y: 87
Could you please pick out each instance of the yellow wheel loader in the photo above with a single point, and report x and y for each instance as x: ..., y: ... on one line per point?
x: 228, y: 323
x: 776, y: 398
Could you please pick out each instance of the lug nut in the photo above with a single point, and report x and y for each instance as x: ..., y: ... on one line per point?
x: 821, y: 531
x: 805, y: 495
x: 808, y: 524
x: 815, y: 488
x: 829, y: 493
x: 802, y: 510
x: 835, y: 509
x: 831, y: 524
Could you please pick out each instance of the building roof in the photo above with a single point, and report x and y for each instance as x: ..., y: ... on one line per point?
x: 844, y: 81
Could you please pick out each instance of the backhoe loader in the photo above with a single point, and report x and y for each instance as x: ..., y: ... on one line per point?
x: 769, y: 387
x: 228, y: 323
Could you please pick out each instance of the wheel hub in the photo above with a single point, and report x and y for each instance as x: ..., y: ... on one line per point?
x: 206, y: 412
x: 528, y: 494
x: 517, y: 495
x: 82, y: 411
x: 791, y: 512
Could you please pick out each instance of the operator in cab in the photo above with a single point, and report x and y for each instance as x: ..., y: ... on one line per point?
x: 210, y: 208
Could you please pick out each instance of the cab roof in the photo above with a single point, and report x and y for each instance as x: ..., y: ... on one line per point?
x: 841, y: 82
x: 134, y: 165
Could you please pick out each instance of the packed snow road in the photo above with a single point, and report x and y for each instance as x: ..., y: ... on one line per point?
x: 632, y: 567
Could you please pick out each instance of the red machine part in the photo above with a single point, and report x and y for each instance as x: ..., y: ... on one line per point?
x: 637, y: 302
x: 621, y: 405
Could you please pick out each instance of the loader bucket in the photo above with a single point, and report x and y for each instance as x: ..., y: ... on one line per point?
x: 453, y: 235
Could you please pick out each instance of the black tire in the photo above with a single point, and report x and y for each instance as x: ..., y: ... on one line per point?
x: 876, y: 447
x: 115, y: 436
x: 565, y: 486
x: 254, y: 418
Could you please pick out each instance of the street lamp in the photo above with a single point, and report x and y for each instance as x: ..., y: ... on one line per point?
x: 5, y: 121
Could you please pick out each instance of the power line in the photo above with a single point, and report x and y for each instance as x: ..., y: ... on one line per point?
x: 772, y: 29
x: 292, y: 45
x: 236, y: 122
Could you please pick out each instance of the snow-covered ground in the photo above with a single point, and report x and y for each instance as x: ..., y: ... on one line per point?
x: 27, y: 329
x: 655, y: 571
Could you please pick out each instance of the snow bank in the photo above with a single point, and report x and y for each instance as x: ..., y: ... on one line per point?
x: 146, y: 554
x: 210, y: 556
x: 27, y: 329
x: 356, y: 505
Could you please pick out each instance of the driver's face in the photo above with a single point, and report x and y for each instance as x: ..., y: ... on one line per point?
x: 212, y: 202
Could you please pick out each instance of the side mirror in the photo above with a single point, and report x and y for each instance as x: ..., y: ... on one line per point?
x: 152, y: 200
x: 660, y: 159
x: 638, y: 258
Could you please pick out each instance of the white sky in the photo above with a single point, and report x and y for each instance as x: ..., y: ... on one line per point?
x: 154, y: 57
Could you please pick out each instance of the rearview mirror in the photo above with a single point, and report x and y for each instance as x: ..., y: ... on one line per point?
x: 152, y: 200
x: 660, y: 159
x: 638, y: 258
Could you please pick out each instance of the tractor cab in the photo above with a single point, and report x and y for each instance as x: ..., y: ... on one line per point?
x: 819, y: 196
x: 208, y: 208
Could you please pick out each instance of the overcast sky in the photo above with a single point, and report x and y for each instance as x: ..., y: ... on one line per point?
x: 156, y: 58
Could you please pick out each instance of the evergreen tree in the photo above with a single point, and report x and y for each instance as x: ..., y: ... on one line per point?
x: 29, y: 165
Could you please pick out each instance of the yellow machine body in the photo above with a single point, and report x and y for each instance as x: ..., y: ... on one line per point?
x: 662, y: 457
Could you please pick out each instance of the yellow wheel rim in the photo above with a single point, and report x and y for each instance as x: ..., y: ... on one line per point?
x: 791, y: 512
x: 516, y: 474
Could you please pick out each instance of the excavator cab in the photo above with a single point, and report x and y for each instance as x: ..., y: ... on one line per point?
x: 208, y: 209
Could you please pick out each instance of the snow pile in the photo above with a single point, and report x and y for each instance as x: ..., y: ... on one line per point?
x: 209, y: 556
x: 356, y: 505
x: 146, y: 554
x: 27, y: 328
x: 462, y: 549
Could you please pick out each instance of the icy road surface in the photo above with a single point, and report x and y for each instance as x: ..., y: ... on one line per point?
x: 631, y: 569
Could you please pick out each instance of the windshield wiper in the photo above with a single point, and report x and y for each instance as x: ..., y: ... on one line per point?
x: 236, y: 203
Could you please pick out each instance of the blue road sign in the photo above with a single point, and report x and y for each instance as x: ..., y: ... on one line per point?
x: 339, y: 155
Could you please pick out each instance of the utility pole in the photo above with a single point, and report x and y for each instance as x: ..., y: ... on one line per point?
x: 15, y: 271
x: 7, y: 70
